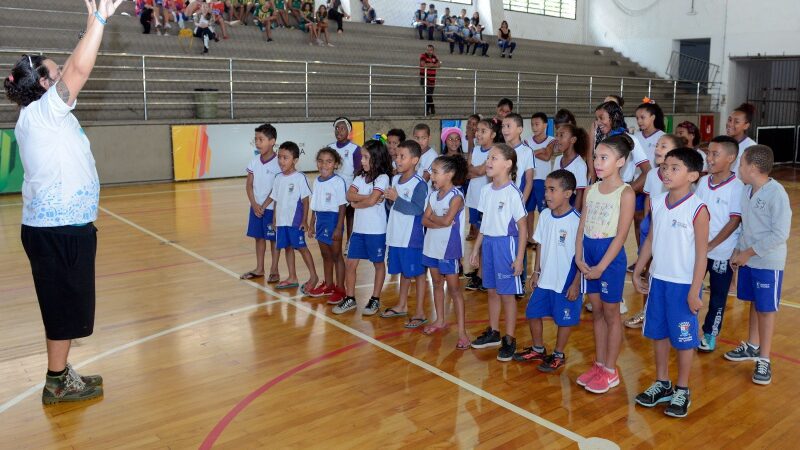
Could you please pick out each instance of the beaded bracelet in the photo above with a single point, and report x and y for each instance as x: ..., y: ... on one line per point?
x: 99, y: 18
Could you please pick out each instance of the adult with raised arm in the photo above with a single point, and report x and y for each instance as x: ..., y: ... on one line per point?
x: 60, y: 194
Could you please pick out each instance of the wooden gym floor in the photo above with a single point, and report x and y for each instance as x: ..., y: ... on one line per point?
x: 194, y: 357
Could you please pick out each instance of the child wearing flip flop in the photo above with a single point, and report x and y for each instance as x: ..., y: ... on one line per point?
x: 500, y: 246
x: 260, y: 177
x: 443, y: 249
x: 368, y: 240
x: 404, y: 232
x: 328, y: 202
x: 556, y: 282
x: 291, y: 197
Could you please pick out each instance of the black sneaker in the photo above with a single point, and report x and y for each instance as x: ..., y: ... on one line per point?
x: 507, y: 349
x: 474, y: 284
x: 744, y: 352
x: 763, y: 372
x: 489, y: 338
x: 528, y: 354
x: 68, y: 387
x: 373, y: 305
x: 679, y: 404
x: 552, y: 362
x: 472, y: 274
x: 655, y: 394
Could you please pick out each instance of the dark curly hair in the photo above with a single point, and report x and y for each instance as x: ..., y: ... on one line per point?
x: 379, y: 161
x: 22, y: 86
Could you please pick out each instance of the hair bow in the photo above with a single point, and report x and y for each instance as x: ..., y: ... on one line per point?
x: 648, y: 100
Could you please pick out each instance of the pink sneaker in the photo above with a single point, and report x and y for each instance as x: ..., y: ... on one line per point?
x: 584, y: 379
x: 603, y: 381
x: 320, y: 291
x: 336, y: 296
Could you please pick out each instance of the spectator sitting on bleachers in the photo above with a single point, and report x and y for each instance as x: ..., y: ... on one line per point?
x: 238, y: 10
x: 504, y: 40
x: 217, y: 10
x: 443, y: 23
x: 295, y: 8
x: 433, y: 20
x: 421, y: 21
x: 144, y: 9
x: 175, y: 10
x: 280, y: 16
x: 452, y: 33
x: 263, y: 17
x: 337, y: 13
x: 322, y: 24
x: 309, y: 23
x: 370, y: 16
x: 476, y: 35
x: 203, y: 29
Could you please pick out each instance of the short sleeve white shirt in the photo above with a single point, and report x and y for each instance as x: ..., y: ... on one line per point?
x: 328, y: 194
x: 444, y: 243
x: 674, y: 238
x: 635, y: 159
x: 653, y: 184
x: 543, y: 168
x: 556, y: 236
x: 60, y: 185
x: 479, y: 157
x: 502, y: 208
x: 525, y: 162
x: 289, y: 192
x: 264, y: 173
x: 371, y: 220
x: 724, y: 201
x: 578, y: 168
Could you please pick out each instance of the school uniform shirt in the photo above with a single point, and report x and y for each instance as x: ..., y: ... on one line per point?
x: 578, y: 168
x: 649, y: 144
x: 288, y: 192
x: 543, y: 168
x: 556, y: 236
x: 654, y: 184
x: 635, y: 159
x: 524, y: 162
x: 351, y: 160
x: 705, y: 160
x: 502, y: 208
x: 264, y: 173
x: 60, y: 184
x: 444, y: 243
x: 371, y: 220
x: 674, y: 238
x: 743, y: 144
x: 724, y: 201
x: 425, y: 163
x: 328, y: 194
x: 766, y: 221
x: 405, y: 229
x: 479, y: 157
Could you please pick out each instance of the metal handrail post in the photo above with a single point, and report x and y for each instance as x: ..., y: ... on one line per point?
x: 556, y: 109
x: 230, y: 80
x: 674, y: 94
x: 475, y: 93
x: 621, y: 86
x: 649, y: 87
x: 697, y: 99
x: 370, y: 91
x: 591, y: 86
x: 425, y: 93
x: 144, y: 87
x: 306, y: 87
x: 518, y: 83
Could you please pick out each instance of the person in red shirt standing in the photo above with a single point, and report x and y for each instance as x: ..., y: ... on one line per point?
x: 428, y: 63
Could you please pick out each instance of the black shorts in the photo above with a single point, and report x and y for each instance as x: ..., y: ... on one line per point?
x: 62, y: 263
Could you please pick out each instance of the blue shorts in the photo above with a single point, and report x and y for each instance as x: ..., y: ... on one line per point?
x: 547, y: 303
x: 290, y: 237
x: 475, y: 217
x: 497, y: 256
x: 612, y: 282
x: 325, y: 226
x: 640, y: 201
x: 644, y: 229
x: 367, y: 246
x: 261, y: 227
x: 761, y: 286
x: 406, y: 261
x: 667, y: 315
x: 444, y: 266
x: 536, y: 200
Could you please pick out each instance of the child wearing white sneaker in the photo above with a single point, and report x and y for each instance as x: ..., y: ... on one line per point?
x: 722, y: 191
x: 677, y: 243
x: 760, y: 256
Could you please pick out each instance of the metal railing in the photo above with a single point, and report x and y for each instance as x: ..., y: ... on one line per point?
x: 683, y: 67
x: 125, y: 87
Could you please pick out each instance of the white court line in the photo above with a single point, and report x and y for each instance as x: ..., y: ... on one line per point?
x: 138, y: 194
x: 580, y: 440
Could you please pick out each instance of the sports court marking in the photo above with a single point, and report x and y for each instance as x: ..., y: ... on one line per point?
x: 592, y: 442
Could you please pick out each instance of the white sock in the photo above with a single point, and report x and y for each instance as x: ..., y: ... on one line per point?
x: 205, y: 40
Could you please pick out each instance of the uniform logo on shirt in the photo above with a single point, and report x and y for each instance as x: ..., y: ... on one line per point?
x: 566, y: 314
x: 328, y: 197
x: 562, y: 237
x: 407, y: 193
x: 604, y: 287
x: 291, y: 187
x: 500, y: 206
x: 760, y: 285
x: 684, y: 328
x: 760, y: 204
x: 676, y: 224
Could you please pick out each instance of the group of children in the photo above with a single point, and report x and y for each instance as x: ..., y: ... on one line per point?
x: 713, y: 215
x: 458, y: 30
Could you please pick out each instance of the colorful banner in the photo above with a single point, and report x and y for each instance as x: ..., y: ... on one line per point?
x: 10, y: 164
x: 220, y: 151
